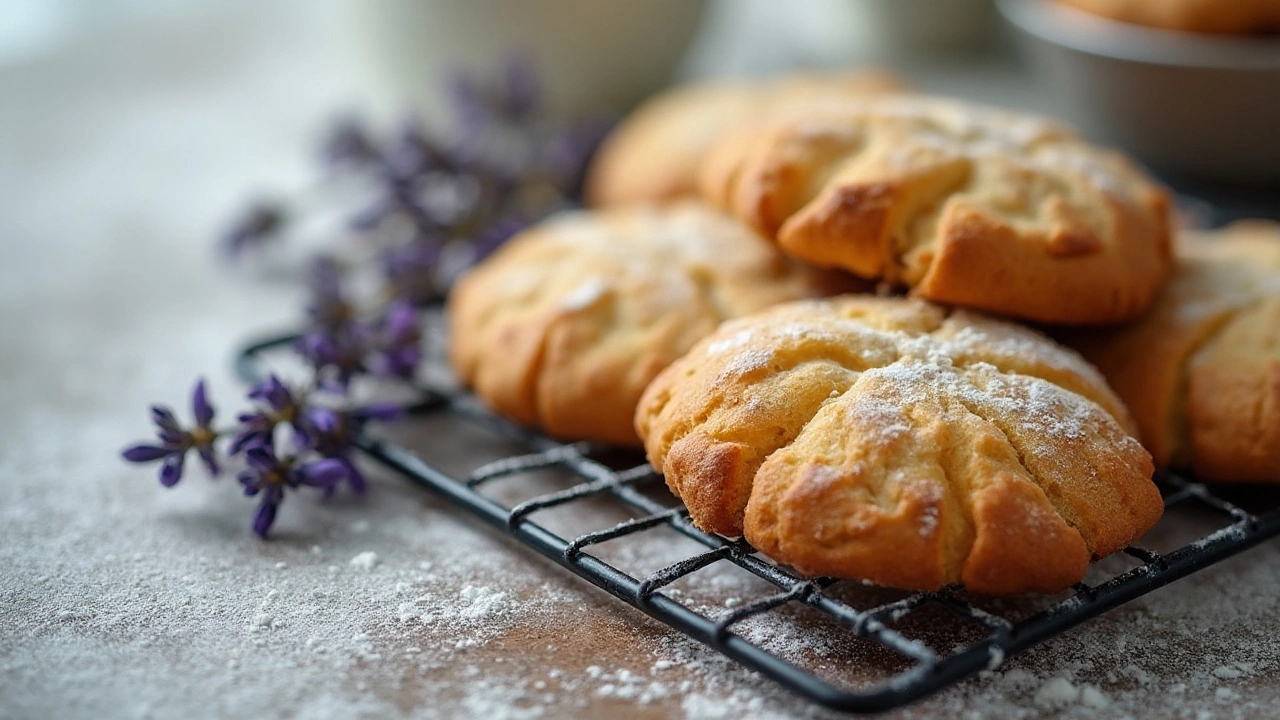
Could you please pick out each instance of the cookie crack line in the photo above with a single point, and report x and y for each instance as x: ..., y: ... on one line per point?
x: 964, y: 501
x: 901, y: 243
x: 940, y: 195
x: 1054, y: 498
x: 1180, y: 453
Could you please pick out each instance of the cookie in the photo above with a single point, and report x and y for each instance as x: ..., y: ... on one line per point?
x: 895, y: 441
x: 653, y: 155
x: 1201, y: 370
x: 564, y: 326
x: 1204, y: 16
x: 966, y: 205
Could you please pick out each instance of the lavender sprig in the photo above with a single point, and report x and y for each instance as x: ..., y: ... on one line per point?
x: 175, y: 440
x: 322, y: 455
x: 276, y: 405
x: 432, y: 206
x: 269, y: 476
x: 340, y: 346
x: 332, y: 432
x: 504, y: 163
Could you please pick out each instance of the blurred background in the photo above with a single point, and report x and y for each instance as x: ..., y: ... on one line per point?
x: 168, y: 94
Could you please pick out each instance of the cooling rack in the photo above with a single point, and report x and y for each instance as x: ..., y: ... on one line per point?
x: 625, y: 480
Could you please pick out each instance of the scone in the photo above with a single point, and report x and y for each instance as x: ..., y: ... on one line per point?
x: 1205, y: 16
x: 1201, y: 370
x: 654, y: 154
x: 564, y: 326
x: 894, y: 441
x: 966, y: 205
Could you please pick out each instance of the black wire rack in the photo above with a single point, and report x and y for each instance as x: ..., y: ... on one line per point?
x: 627, y: 480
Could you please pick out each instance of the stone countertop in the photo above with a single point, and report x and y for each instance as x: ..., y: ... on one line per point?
x: 121, y: 600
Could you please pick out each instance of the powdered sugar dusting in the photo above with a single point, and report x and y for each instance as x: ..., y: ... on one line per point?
x: 591, y: 291
x: 877, y: 421
x: 732, y: 342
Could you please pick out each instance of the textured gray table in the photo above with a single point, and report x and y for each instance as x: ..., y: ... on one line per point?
x: 121, y: 600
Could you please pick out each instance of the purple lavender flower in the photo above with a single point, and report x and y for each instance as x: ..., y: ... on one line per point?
x: 349, y: 144
x: 336, y: 355
x: 270, y: 476
x: 521, y: 94
x: 410, y: 271
x: 514, y: 99
x: 328, y: 306
x: 413, y: 153
x: 175, y: 441
x: 260, y: 223
x: 399, y: 343
x: 277, y: 404
x: 332, y: 432
x: 337, y: 342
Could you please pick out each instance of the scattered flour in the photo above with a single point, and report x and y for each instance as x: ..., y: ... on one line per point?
x: 366, y: 560
x: 1056, y: 694
x: 1226, y: 672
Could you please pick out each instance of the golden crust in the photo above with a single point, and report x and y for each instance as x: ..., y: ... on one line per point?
x: 654, y: 154
x: 1201, y: 370
x: 894, y: 441
x: 565, y: 325
x: 968, y: 206
x: 1205, y: 16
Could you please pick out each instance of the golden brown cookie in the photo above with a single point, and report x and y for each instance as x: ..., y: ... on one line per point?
x: 895, y: 441
x: 654, y: 154
x: 1201, y: 370
x: 1205, y: 16
x: 966, y: 205
x: 564, y: 326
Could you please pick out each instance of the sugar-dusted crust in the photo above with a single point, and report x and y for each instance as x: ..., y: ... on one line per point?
x: 1201, y: 370
x: 565, y: 325
x: 1206, y: 16
x: 653, y: 155
x: 966, y: 205
x: 895, y: 441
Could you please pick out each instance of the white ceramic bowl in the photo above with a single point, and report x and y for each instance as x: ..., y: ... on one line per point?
x: 1190, y: 105
x: 589, y: 54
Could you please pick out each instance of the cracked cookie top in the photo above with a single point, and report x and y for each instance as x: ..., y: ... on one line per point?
x: 564, y: 326
x: 1201, y: 369
x: 895, y: 441
x: 653, y: 154
x: 967, y: 205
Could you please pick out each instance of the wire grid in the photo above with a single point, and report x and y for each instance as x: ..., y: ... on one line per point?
x: 927, y: 670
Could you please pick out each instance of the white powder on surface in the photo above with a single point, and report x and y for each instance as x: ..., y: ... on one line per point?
x: 1226, y: 672
x: 1056, y: 694
x: 366, y: 560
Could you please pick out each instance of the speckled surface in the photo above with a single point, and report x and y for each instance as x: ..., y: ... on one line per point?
x: 121, y: 600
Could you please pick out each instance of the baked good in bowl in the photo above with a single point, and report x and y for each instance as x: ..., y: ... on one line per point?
x: 653, y: 155
x: 894, y: 441
x: 1201, y: 370
x: 1190, y: 104
x: 1205, y: 16
x: 564, y: 325
x: 965, y: 205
